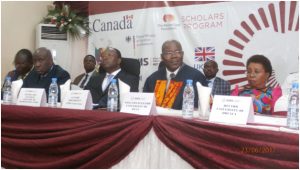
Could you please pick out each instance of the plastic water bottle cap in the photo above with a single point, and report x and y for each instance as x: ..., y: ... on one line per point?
x: 189, y: 81
x: 7, y: 78
x: 295, y: 85
x: 54, y: 80
x: 113, y: 81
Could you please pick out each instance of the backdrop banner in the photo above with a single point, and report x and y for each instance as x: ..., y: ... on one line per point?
x: 228, y: 32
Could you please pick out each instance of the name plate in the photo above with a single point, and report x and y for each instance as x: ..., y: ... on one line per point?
x: 78, y: 99
x: 32, y: 97
x: 232, y: 109
x: 139, y: 103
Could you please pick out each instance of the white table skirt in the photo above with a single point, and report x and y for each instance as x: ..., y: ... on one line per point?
x: 151, y: 153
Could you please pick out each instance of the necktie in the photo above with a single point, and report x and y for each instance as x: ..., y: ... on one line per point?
x: 84, y: 80
x: 109, y: 78
x: 171, y: 77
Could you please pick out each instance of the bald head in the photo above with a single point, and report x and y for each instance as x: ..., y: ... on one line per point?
x: 111, y: 59
x: 44, y: 52
x: 211, y: 62
x: 42, y: 60
x: 167, y: 43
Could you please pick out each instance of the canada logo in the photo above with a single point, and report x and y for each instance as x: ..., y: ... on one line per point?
x: 278, y: 24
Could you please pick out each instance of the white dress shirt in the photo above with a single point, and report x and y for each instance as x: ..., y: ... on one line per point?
x: 105, y: 80
x: 211, y: 82
x: 168, y: 76
x: 88, y: 79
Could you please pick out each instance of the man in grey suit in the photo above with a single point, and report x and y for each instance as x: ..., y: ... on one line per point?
x: 89, y: 63
x: 218, y: 85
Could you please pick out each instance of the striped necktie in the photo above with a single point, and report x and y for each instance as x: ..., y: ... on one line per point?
x: 84, y: 80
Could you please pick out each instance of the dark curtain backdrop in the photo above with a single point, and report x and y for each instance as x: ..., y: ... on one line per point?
x: 65, y: 138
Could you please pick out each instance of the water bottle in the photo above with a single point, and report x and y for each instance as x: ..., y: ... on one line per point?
x: 293, y: 107
x: 112, y: 100
x: 7, y: 94
x: 188, y: 100
x: 53, y: 93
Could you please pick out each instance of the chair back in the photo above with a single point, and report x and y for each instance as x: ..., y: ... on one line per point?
x: 161, y: 65
x: 130, y: 65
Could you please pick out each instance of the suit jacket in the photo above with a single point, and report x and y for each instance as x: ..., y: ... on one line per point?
x: 78, y: 78
x: 99, y: 96
x: 35, y: 80
x: 186, y: 72
x: 220, y: 87
x: 13, y: 75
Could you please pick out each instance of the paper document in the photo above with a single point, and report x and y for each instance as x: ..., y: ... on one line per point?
x: 281, y: 104
x: 75, y: 87
x: 15, y: 88
x: 64, y: 88
x: 123, y: 90
x: 204, y: 96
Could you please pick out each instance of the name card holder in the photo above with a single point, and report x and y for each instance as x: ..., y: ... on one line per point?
x: 232, y: 110
x: 35, y: 97
x: 139, y: 103
x: 78, y: 99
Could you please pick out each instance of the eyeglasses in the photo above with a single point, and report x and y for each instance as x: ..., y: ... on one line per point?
x: 170, y: 53
x: 252, y: 73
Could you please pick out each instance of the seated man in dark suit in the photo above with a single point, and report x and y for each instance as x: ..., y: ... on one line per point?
x: 89, y: 63
x: 218, y: 85
x: 44, y: 71
x: 169, y: 81
x: 23, y: 66
x: 98, y: 85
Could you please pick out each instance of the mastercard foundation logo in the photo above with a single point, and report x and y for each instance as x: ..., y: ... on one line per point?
x: 168, y: 18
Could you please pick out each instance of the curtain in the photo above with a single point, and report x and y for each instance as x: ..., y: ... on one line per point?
x: 208, y: 145
x: 65, y: 138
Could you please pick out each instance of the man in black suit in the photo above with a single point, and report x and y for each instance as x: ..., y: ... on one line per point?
x: 98, y: 85
x: 89, y: 63
x: 44, y: 71
x: 169, y: 81
x: 218, y: 85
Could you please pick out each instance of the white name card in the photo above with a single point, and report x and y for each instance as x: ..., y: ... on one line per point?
x: 32, y: 97
x: 232, y: 109
x: 78, y: 99
x: 139, y: 103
